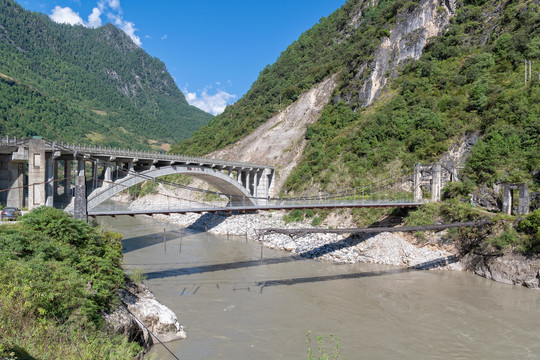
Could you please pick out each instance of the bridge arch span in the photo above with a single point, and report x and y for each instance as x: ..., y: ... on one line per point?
x: 215, y: 177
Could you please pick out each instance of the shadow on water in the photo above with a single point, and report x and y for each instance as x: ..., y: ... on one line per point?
x: 160, y: 274
x: 143, y: 241
x: 312, y: 279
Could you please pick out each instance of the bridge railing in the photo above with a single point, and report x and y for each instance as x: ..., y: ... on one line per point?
x: 369, y: 196
x: 101, y: 150
x: 13, y: 141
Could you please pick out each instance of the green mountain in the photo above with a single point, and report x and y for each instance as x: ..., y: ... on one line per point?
x: 401, y: 100
x: 88, y: 85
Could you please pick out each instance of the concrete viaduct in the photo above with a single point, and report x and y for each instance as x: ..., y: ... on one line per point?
x: 29, y: 173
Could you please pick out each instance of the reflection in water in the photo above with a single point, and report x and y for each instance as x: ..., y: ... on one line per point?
x: 236, y: 306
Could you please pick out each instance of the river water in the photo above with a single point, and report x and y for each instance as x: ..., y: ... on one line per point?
x: 234, y: 305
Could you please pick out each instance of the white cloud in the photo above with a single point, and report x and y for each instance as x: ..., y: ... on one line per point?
x: 147, y: 37
x: 94, y: 19
x: 111, y: 8
x: 214, y: 104
x: 164, y: 37
x: 114, y: 4
x: 66, y: 16
x: 129, y: 28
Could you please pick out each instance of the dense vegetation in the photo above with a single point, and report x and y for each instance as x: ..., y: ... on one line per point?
x: 459, y: 85
x: 79, y: 84
x: 57, y: 275
x: 318, y: 53
x: 469, y: 79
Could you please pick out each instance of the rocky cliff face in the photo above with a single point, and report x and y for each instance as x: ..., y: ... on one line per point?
x: 407, y: 40
x: 513, y: 269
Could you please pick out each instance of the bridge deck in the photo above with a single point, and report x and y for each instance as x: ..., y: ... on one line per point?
x: 243, y: 209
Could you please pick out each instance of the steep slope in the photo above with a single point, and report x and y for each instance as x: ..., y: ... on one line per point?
x: 281, y: 140
x: 415, y: 77
x: 118, y: 92
x: 468, y: 79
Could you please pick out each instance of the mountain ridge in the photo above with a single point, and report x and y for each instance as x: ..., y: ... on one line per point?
x: 91, y: 69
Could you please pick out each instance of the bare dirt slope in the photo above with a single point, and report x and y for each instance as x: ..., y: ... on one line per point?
x: 280, y: 141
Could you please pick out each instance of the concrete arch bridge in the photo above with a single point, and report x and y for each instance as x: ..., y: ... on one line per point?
x: 35, y: 172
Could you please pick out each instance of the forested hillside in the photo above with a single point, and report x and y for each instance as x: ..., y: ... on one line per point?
x: 79, y: 84
x: 468, y: 79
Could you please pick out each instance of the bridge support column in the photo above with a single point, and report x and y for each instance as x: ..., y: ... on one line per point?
x: 81, y: 165
x: 80, y: 209
x: 36, y: 173
x: 436, y: 182
x: 55, y: 176
x: 107, y: 179
x: 94, y: 175
x: 523, y: 202
x: 508, y: 199
x: 417, y: 183
x: 15, y: 197
x: 266, y: 183
x: 248, y: 181
x: 49, y: 186
x: 67, y: 181
x: 11, y: 176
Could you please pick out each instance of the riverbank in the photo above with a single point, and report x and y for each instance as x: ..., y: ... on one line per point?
x: 397, y: 249
x: 235, y: 306
x: 383, y: 248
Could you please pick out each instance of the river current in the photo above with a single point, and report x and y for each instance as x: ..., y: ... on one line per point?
x: 234, y: 305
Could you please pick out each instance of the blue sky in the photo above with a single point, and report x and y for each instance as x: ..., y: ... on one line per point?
x: 213, y: 49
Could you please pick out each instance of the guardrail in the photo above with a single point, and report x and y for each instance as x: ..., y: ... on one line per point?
x: 97, y: 150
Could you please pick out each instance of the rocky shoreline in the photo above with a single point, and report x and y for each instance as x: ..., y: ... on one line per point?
x: 398, y: 249
x: 383, y: 248
x: 142, y: 319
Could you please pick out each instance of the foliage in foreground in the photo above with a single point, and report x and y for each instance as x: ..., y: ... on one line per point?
x: 322, y: 352
x: 57, y: 275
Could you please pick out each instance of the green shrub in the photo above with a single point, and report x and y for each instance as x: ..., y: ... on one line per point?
x: 530, y: 226
x: 316, y: 221
x: 137, y: 276
x: 296, y: 215
x: 508, y: 238
x: 455, y: 189
x: 323, y: 352
x: 54, y: 271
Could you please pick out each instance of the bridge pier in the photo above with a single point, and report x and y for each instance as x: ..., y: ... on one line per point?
x: 36, y: 173
x: 80, y: 210
x: 49, y: 186
x: 523, y: 200
x: 107, y: 178
x: 417, y: 183
x: 436, y: 182
x: 67, y: 181
x: 11, y: 176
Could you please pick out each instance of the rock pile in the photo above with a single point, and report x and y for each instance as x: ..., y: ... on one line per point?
x: 383, y: 248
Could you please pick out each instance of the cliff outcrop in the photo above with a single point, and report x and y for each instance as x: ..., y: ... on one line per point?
x: 407, y: 41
